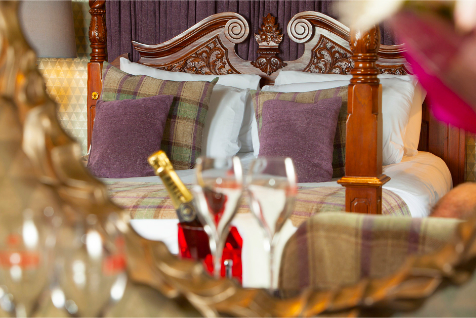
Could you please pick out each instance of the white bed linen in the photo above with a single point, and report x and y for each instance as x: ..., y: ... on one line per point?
x: 419, y: 180
x: 400, y: 100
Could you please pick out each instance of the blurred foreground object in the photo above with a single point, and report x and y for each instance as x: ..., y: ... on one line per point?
x: 41, y: 169
x: 459, y: 203
x: 441, y: 52
x: 44, y: 22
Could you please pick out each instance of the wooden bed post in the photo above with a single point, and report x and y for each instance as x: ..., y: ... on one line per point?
x: 97, y: 37
x: 363, y: 175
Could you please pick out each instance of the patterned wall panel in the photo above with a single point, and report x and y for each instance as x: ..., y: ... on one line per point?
x: 66, y: 79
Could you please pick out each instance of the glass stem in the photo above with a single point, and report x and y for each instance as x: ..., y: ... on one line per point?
x: 20, y: 310
x: 217, y: 264
x: 271, y: 267
x: 273, y: 284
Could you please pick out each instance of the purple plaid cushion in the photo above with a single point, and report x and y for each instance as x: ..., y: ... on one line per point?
x: 338, y: 159
x: 125, y: 134
x: 182, y: 140
x: 304, y: 132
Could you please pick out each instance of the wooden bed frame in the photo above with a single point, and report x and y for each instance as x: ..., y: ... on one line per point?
x: 330, y: 47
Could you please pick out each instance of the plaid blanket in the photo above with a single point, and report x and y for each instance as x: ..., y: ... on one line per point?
x: 145, y: 200
x: 335, y: 249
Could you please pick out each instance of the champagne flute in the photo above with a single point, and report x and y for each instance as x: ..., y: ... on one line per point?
x: 27, y: 242
x: 93, y: 262
x: 220, y: 186
x: 272, y: 185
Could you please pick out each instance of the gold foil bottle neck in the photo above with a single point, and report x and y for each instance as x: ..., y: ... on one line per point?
x: 160, y: 162
x: 163, y: 168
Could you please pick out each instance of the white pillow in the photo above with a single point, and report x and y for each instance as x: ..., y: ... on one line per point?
x: 295, y: 77
x: 225, y: 111
x: 246, y: 131
x: 412, y: 134
x: 242, y: 81
x: 397, y: 97
x: 223, y: 123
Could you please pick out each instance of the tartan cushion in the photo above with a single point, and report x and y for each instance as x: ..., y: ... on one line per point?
x: 182, y: 140
x: 336, y: 249
x: 338, y: 159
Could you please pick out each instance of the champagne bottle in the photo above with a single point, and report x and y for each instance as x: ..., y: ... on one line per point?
x: 196, y: 239
x: 178, y: 192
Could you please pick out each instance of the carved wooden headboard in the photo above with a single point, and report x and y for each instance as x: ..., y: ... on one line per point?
x: 209, y: 48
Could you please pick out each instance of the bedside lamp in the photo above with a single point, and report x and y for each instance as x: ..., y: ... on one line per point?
x: 49, y: 28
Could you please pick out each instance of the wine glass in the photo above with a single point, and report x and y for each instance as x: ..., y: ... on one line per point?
x: 27, y: 242
x: 220, y: 186
x: 93, y: 262
x: 272, y: 185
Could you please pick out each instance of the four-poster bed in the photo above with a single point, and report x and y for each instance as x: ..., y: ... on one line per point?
x: 209, y: 48
x: 50, y: 159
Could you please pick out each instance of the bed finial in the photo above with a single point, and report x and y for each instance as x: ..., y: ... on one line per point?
x: 269, y: 37
x: 97, y: 30
x: 97, y: 37
x: 363, y: 175
x: 365, y: 47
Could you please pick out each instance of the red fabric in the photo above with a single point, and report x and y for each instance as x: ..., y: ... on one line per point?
x: 193, y: 244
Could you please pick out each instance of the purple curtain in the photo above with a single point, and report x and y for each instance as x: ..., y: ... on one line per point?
x: 153, y: 22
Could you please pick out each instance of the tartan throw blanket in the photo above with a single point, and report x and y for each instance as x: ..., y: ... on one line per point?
x: 336, y: 249
x: 145, y: 200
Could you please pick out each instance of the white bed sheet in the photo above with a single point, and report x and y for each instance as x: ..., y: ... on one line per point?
x: 187, y: 176
x: 420, y: 181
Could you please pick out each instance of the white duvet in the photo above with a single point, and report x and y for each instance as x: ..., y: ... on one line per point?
x: 420, y: 181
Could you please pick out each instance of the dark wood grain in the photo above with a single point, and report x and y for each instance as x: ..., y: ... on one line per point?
x: 97, y: 37
x: 269, y: 37
x: 363, y: 173
x: 233, y: 25
x: 97, y: 30
x: 94, y: 88
x: 448, y: 143
x: 425, y: 128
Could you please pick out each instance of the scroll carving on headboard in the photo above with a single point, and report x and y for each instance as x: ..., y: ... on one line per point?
x: 269, y: 37
x: 210, y: 59
x: 393, y: 69
x: 329, y: 57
